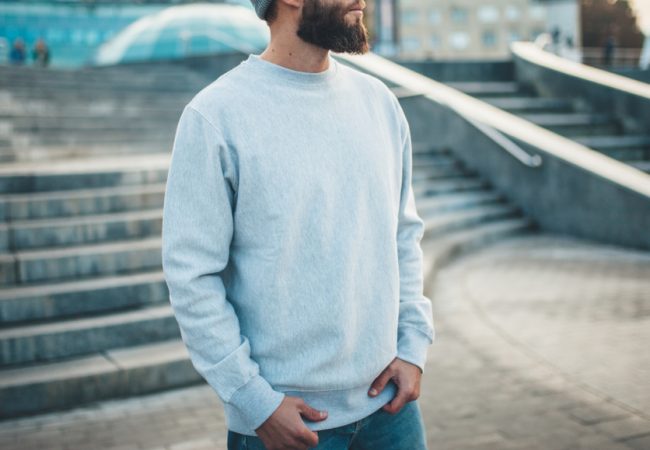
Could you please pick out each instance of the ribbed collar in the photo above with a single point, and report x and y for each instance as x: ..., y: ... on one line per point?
x: 316, y: 79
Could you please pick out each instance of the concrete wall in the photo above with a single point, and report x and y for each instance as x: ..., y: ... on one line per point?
x: 603, y: 91
x: 561, y: 197
x: 462, y: 70
x: 635, y: 74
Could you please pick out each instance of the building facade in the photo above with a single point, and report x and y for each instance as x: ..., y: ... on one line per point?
x: 467, y: 29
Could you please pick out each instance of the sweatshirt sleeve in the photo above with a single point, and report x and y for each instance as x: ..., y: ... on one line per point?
x: 196, y: 234
x: 415, y: 331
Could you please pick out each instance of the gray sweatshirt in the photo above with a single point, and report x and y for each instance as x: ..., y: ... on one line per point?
x: 291, y: 241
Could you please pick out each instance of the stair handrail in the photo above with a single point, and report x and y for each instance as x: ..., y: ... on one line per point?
x: 530, y: 160
x: 504, y: 142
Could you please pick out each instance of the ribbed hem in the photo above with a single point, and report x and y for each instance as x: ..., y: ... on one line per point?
x: 256, y: 401
x: 413, y: 345
x: 343, y: 407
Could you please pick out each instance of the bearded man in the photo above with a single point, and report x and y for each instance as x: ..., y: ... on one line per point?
x: 291, y: 242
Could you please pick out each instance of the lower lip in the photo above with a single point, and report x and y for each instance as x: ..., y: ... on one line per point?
x: 358, y: 12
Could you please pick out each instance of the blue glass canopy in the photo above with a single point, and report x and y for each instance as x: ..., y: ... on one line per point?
x: 187, y: 30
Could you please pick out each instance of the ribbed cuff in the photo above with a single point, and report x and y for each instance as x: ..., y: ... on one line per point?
x: 413, y: 345
x: 256, y: 401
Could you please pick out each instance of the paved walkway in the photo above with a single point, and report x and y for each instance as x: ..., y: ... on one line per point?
x: 541, y: 343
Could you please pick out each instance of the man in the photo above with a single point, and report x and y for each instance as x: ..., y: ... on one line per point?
x: 291, y: 242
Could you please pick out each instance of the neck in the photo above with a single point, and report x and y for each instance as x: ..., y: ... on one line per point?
x: 288, y: 50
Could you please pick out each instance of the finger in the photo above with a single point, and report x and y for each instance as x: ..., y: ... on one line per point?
x: 397, y: 402
x: 380, y: 382
x: 308, y: 437
x: 310, y: 413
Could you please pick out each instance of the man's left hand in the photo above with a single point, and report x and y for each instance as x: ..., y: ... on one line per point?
x: 407, y: 378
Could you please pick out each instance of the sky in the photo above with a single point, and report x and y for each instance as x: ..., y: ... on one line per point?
x: 643, y: 10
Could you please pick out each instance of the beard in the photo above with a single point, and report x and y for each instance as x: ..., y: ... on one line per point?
x: 326, y: 26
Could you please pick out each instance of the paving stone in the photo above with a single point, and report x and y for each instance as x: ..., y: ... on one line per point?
x: 597, y: 413
x: 638, y: 443
x: 538, y: 341
x: 625, y: 428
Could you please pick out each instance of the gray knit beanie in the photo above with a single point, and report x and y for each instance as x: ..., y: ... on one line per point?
x: 260, y: 7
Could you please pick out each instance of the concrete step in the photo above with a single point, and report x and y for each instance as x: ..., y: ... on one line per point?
x: 442, y: 222
x: 448, y: 185
x: 612, y: 144
x: 38, y: 88
x: 84, y: 173
x: 22, y: 151
x: 124, y: 74
x: 437, y: 169
x: 575, y: 124
x: 439, y: 250
x: 73, y: 262
x: 80, y: 97
x: 58, y: 232
x: 531, y: 104
x: 98, y: 76
x: 456, y: 201
x: 81, y: 336
x: 90, y: 123
x: 426, y: 149
x: 40, y: 109
x: 81, y: 297
x: 435, y: 157
x: 81, y: 202
x: 60, y: 137
x: 118, y: 373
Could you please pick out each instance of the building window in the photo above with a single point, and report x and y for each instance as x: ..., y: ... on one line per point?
x: 459, y: 15
x: 410, y: 44
x: 434, y: 17
x: 409, y: 16
x: 434, y: 42
x: 459, y: 40
x: 512, y: 12
x: 514, y: 36
x: 537, y: 12
x: 489, y: 38
x: 488, y: 14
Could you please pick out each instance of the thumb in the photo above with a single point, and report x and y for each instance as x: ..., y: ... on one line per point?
x: 380, y: 382
x: 310, y: 413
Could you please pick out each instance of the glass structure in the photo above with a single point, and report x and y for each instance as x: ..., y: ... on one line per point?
x: 187, y: 30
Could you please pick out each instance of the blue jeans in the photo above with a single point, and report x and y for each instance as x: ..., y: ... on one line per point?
x: 380, y: 430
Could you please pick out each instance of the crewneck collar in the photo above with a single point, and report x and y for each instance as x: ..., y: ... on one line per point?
x: 282, y: 73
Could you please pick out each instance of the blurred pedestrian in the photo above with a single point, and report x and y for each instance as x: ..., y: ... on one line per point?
x: 41, y: 53
x: 17, y: 54
x: 555, y: 36
x: 569, y: 50
x: 608, y: 50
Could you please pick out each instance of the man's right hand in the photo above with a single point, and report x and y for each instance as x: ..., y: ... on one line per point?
x: 285, y: 430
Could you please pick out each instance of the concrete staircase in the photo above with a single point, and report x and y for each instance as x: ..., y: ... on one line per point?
x: 461, y: 209
x: 84, y: 310
x: 602, y: 131
x: 63, y: 113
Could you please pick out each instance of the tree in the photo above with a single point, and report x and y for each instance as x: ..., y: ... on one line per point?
x: 600, y: 18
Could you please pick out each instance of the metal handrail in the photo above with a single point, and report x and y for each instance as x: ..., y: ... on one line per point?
x: 495, y: 135
x: 507, y: 144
